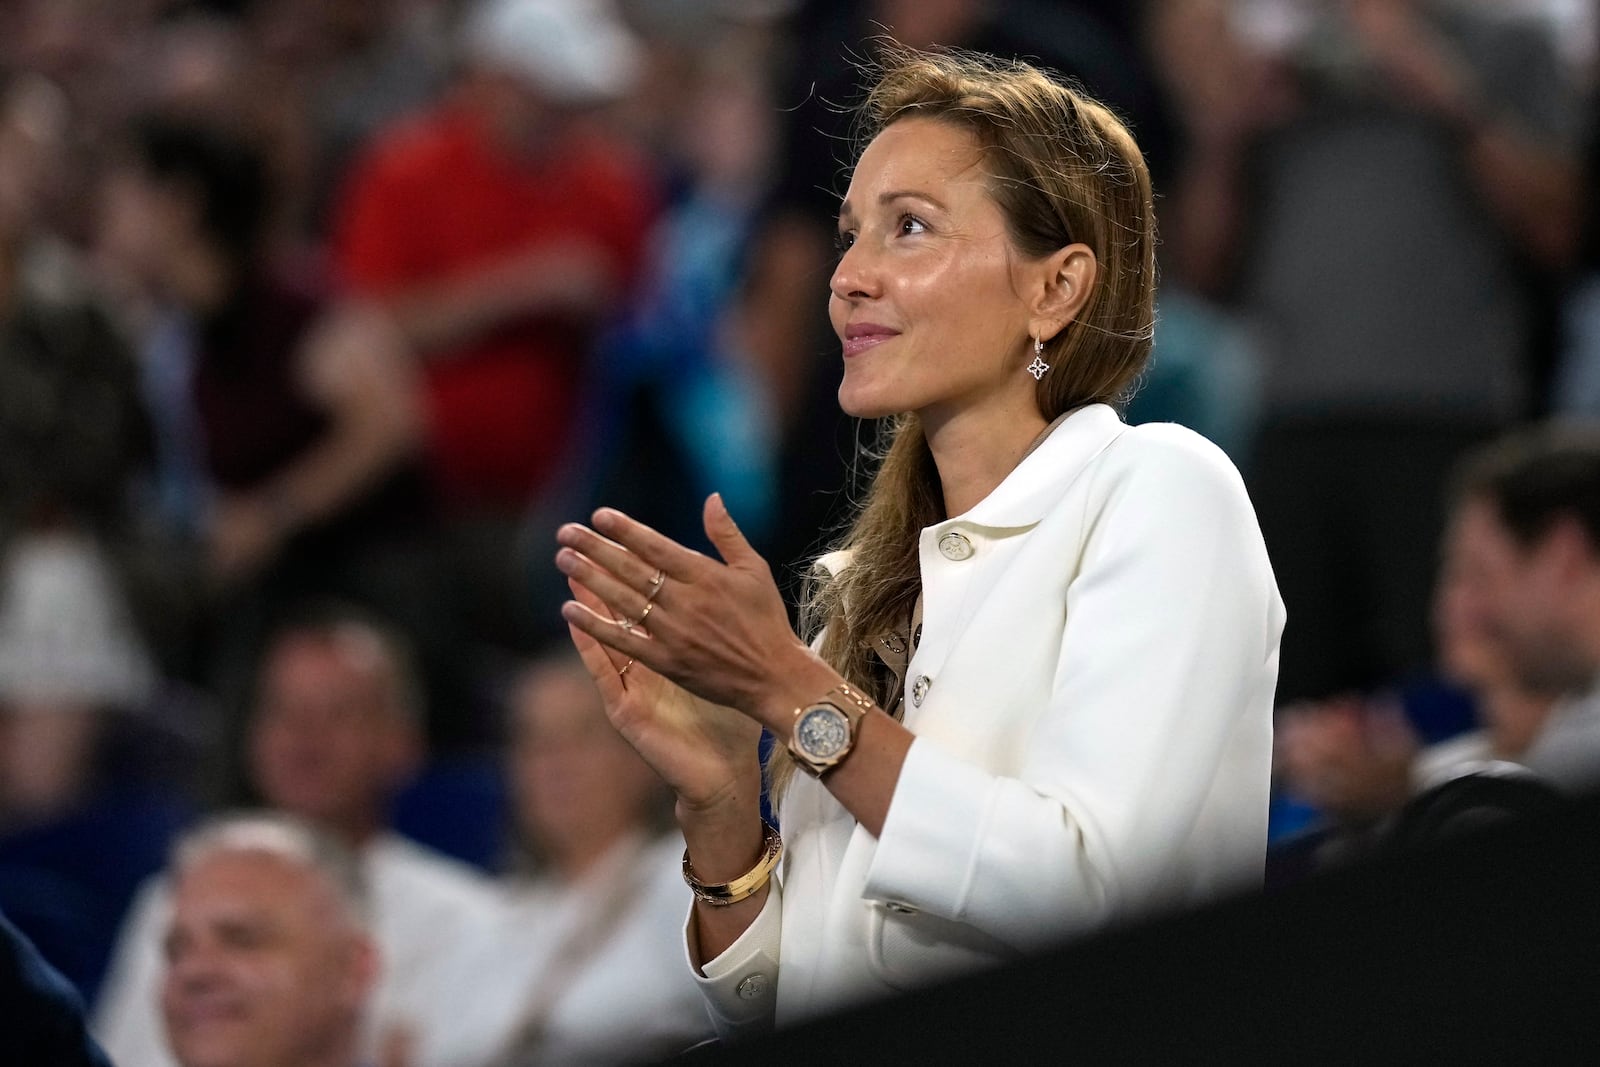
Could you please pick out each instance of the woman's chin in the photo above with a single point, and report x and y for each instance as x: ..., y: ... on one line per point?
x: 860, y: 405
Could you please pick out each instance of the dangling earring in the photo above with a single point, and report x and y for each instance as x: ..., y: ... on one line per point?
x: 1038, y: 367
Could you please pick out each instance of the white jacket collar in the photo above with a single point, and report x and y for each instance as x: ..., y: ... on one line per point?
x: 1042, y: 478
x: 1029, y: 492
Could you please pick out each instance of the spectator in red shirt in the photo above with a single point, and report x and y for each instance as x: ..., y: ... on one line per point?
x: 499, y: 227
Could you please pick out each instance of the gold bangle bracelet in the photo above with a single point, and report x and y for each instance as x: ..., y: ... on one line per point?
x: 721, y: 894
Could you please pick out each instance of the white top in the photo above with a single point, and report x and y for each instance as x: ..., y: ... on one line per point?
x: 1092, y: 699
x: 626, y: 998
x: 1439, y: 762
x: 421, y: 904
x: 1565, y: 752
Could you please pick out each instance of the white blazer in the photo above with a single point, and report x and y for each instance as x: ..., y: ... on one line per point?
x: 1092, y: 703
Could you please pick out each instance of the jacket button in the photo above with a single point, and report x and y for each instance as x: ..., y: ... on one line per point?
x: 919, y: 689
x: 955, y: 546
x: 753, y: 986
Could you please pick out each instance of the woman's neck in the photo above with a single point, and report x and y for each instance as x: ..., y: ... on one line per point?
x: 975, y: 451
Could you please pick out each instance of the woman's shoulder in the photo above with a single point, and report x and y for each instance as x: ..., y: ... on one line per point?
x: 1093, y: 450
x: 1163, y: 450
x: 1167, y: 470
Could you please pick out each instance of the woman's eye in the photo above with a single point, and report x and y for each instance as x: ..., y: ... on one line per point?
x: 842, y: 241
x: 910, y: 224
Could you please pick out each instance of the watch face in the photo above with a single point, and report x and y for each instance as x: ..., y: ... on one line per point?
x: 822, y: 732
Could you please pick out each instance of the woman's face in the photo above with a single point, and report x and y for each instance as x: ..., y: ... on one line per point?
x: 926, y: 297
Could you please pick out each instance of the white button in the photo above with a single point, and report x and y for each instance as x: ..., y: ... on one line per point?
x: 900, y: 908
x: 753, y: 986
x: 954, y: 545
x: 919, y: 689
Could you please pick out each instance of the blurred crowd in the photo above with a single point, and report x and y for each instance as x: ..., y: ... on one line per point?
x: 318, y: 316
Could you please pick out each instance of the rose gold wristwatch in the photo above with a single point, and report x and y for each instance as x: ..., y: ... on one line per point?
x: 825, y: 732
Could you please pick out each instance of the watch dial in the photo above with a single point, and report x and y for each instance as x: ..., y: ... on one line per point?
x: 822, y: 732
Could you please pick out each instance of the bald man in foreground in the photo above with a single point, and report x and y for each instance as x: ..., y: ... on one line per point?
x: 269, y: 963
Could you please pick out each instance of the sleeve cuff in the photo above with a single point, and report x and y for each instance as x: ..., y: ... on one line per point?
x: 937, y: 814
x: 741, y: 984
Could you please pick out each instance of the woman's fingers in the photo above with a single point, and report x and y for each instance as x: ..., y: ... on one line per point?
x: 632, y: 643
x: 598, y: 661
x: 586, y: 596
x: 627, y: 565
x: 655, y: 549
x: 629, y: 575
x: 607, y: 593
x: 604, y: 665
x: 710, y: 626
x: 726, y: 535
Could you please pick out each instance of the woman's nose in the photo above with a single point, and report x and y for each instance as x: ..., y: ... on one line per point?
x: 854, y: 277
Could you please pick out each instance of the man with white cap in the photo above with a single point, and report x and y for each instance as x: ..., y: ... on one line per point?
x: 575, y: 52
x: 498, y: 227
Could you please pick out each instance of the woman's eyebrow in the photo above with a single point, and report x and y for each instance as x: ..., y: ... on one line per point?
x: 846, y: 212
x: 910, y: 194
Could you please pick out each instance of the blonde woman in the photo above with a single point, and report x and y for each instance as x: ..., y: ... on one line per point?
x: 1038, y: 696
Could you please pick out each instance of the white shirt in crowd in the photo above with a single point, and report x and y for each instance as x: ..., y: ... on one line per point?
x: 596, y: 969
x: 422, y: 902
x: 1565, y: 752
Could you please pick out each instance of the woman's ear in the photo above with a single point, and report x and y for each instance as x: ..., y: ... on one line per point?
x: 1069, y: 279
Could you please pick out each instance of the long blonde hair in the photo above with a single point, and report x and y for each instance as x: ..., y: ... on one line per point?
x: 1062, y: 169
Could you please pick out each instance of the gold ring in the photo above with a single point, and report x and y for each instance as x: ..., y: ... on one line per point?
x: 649, y: 606
x: 655, y: 585
x: 624, y: 668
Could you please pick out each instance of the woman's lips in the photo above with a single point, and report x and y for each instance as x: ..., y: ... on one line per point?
x: 859, y: 338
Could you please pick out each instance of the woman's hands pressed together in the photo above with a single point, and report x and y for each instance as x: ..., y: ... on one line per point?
x: 717, y: 629
x: 705, y: 752
x: 676, y: 642
x: 692, y: 665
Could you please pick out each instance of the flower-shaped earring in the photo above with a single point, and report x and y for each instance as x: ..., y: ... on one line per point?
x: 1038, y: 367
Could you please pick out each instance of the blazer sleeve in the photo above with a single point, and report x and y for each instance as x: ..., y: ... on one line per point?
x: 1159, y: 711
x: 740, y: 985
